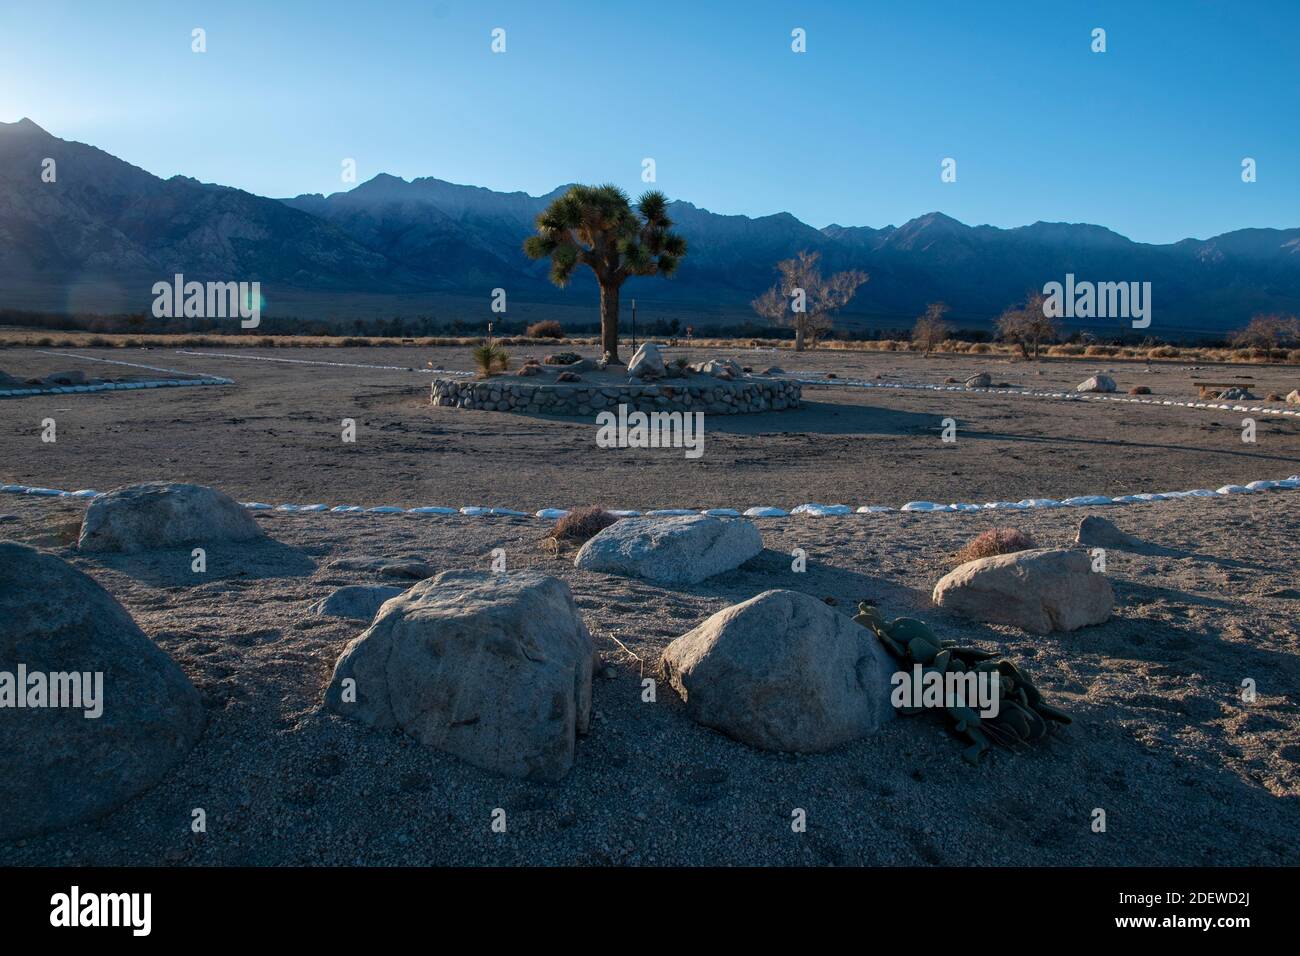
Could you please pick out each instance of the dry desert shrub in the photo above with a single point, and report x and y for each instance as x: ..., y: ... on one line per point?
x: 994, y: 541
x: 1139, y: 390
x: 547, y: 329
x: 578, y: 527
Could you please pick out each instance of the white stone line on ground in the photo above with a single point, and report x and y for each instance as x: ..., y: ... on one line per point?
x: 115, y: 386
x: 151, y: 368
x: 816, y: 510
x: 269, y: 358
x: 1031, y: 393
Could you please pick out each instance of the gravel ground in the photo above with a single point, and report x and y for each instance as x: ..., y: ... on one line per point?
x: 276, y: 436
x: 1187, y: 772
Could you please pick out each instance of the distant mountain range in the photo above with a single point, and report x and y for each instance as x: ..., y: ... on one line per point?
x: 112, y: 228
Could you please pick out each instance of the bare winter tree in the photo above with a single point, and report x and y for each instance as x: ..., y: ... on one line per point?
x: 805, y: 299
x: 1029, y: 326
x: 930, y: 328
x: 1272, y: 331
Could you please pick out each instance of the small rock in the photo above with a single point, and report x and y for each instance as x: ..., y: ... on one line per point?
x: 73, y: 377
x: 673, y: 551
x: 648, y: 362
x: 1097, y: 383
x: 1097, y: 532
x: 356, y: 601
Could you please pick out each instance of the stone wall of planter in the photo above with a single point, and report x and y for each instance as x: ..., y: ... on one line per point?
x: 711, y: 396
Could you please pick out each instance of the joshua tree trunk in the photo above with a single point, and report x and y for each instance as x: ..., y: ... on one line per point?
x: 609, y: 321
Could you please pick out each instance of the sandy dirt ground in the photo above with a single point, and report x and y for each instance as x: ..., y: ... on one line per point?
x: 1187, y: 772
x: 275, y: 436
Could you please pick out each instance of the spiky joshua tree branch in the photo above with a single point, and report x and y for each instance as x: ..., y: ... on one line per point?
x: 598, y: 227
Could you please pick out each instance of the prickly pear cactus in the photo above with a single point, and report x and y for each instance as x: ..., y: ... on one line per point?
x: 1023, y: 717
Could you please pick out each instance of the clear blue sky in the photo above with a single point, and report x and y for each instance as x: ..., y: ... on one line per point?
x: 1146, y: 138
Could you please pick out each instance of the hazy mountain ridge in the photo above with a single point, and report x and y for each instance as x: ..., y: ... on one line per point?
x: 106, y: 219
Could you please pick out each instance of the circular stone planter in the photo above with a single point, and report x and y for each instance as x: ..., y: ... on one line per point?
x: 705, y: 394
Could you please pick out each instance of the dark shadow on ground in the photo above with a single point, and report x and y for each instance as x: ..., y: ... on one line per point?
x: 172, y: 568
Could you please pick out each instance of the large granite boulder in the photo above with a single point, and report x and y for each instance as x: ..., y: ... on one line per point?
x: 671, y: 550
x: 648, y: 362
x: 493, y: 668
x: 1041, y: 590
x: 126, y: 714
x: 164, y: 514
x: 782, y: 671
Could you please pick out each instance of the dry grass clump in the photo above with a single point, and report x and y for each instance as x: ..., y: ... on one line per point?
x: 579, y: 526
x: 20, y: 337
x: 547, y: 329
x: 994, y: 541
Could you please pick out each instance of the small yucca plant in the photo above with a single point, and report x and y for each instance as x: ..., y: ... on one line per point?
x: 489, y: 357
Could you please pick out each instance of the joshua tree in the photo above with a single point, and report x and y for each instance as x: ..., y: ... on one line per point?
x: 931, y: 329
x: 1028, y: 325
x: 806, y: 299
x: 596, y: 226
